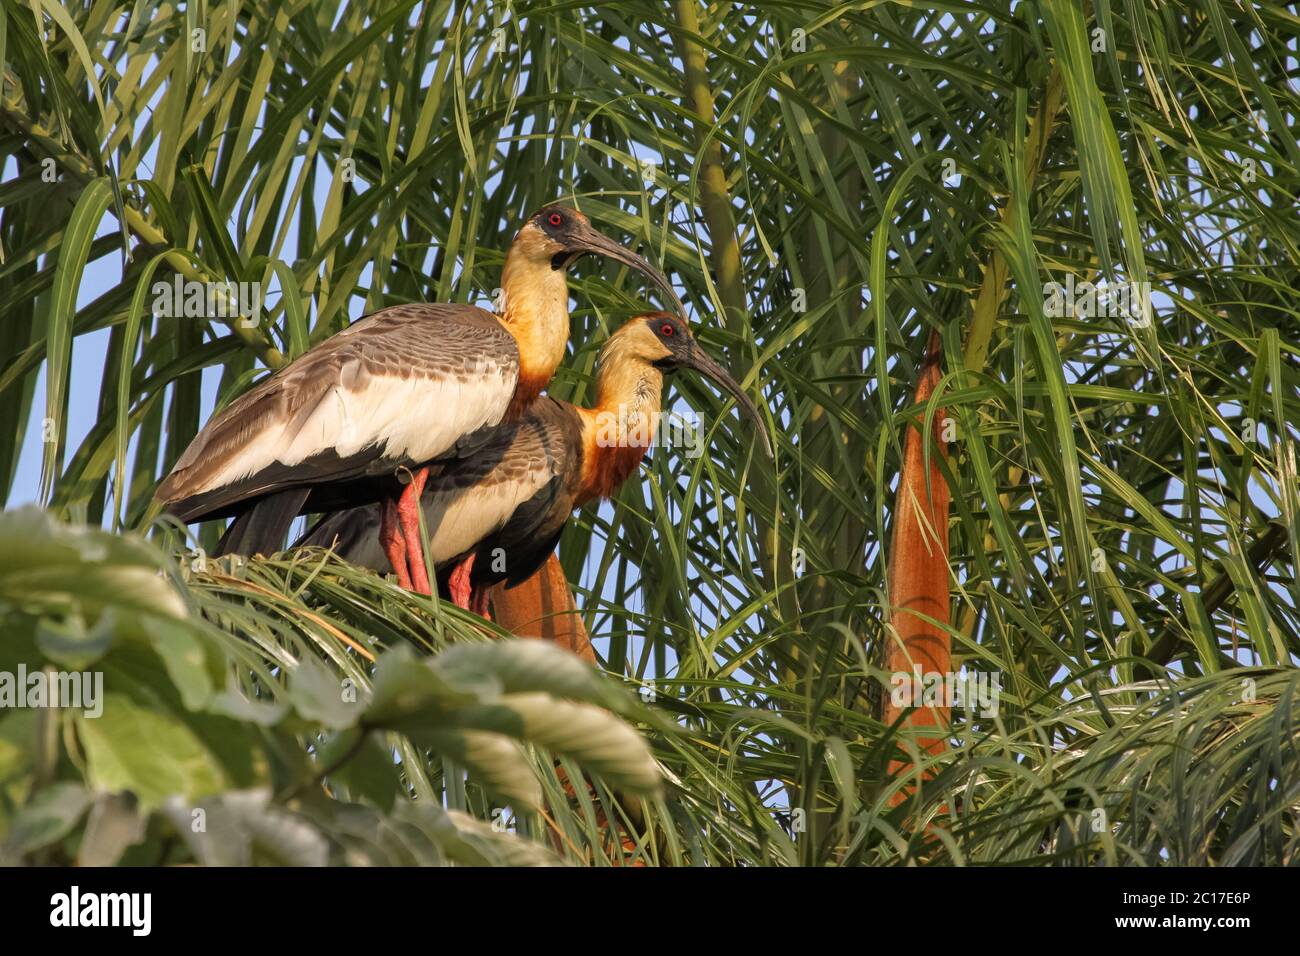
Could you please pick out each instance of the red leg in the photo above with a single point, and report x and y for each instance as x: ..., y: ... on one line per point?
x: 480, y: 603
x: 408, y: 513
x: 461, y: 590
x: 394, y: 545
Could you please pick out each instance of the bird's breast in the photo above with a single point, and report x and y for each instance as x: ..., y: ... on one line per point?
x: 610, y: 456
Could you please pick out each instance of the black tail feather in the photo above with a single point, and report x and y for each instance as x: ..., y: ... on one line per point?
x: 352, y: 534
x: 340, y: 530
x: 262, y: 527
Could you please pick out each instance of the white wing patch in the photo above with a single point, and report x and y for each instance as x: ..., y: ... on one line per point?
x: 459, y: 520
x: 456, y: 521
x: 414, y: 418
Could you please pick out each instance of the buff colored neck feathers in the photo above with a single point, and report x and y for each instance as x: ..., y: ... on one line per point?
x: 621, y: 427
x: 535, y: 310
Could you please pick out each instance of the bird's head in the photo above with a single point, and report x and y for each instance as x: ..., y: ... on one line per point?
x: 664, y: 342
x: 557, y: 236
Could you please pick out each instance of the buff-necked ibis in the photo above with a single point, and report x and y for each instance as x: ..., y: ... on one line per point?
x: 497, y: 514
x: 397, y: 390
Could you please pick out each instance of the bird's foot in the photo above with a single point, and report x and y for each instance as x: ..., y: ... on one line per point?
x: 458, y: 585
x: 393, y: 542
x: 480, y: 602
x: 408, y: 516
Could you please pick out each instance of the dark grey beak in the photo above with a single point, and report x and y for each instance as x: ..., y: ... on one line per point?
x: 588, y: 240
x: 696, y: 358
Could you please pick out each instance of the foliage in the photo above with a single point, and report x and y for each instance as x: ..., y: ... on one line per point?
x: 1126, y: 512
x: 217, y: 723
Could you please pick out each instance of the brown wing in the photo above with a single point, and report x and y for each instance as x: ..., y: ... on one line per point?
x: 399, y: 387
x: 524, y: 542
x: 519, y: 479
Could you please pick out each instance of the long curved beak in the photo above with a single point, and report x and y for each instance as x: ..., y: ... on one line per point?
x: 588, y: 240
x: 700, y: 361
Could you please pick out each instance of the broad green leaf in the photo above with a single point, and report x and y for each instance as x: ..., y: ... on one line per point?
x: 151, y: 754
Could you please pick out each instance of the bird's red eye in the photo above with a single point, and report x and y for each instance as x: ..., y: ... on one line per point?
x: 556, y: 219
x: 666, y: 330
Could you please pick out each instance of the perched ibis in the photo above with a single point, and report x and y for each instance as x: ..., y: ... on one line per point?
x: 399, y: 391
x: 497, y: 514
